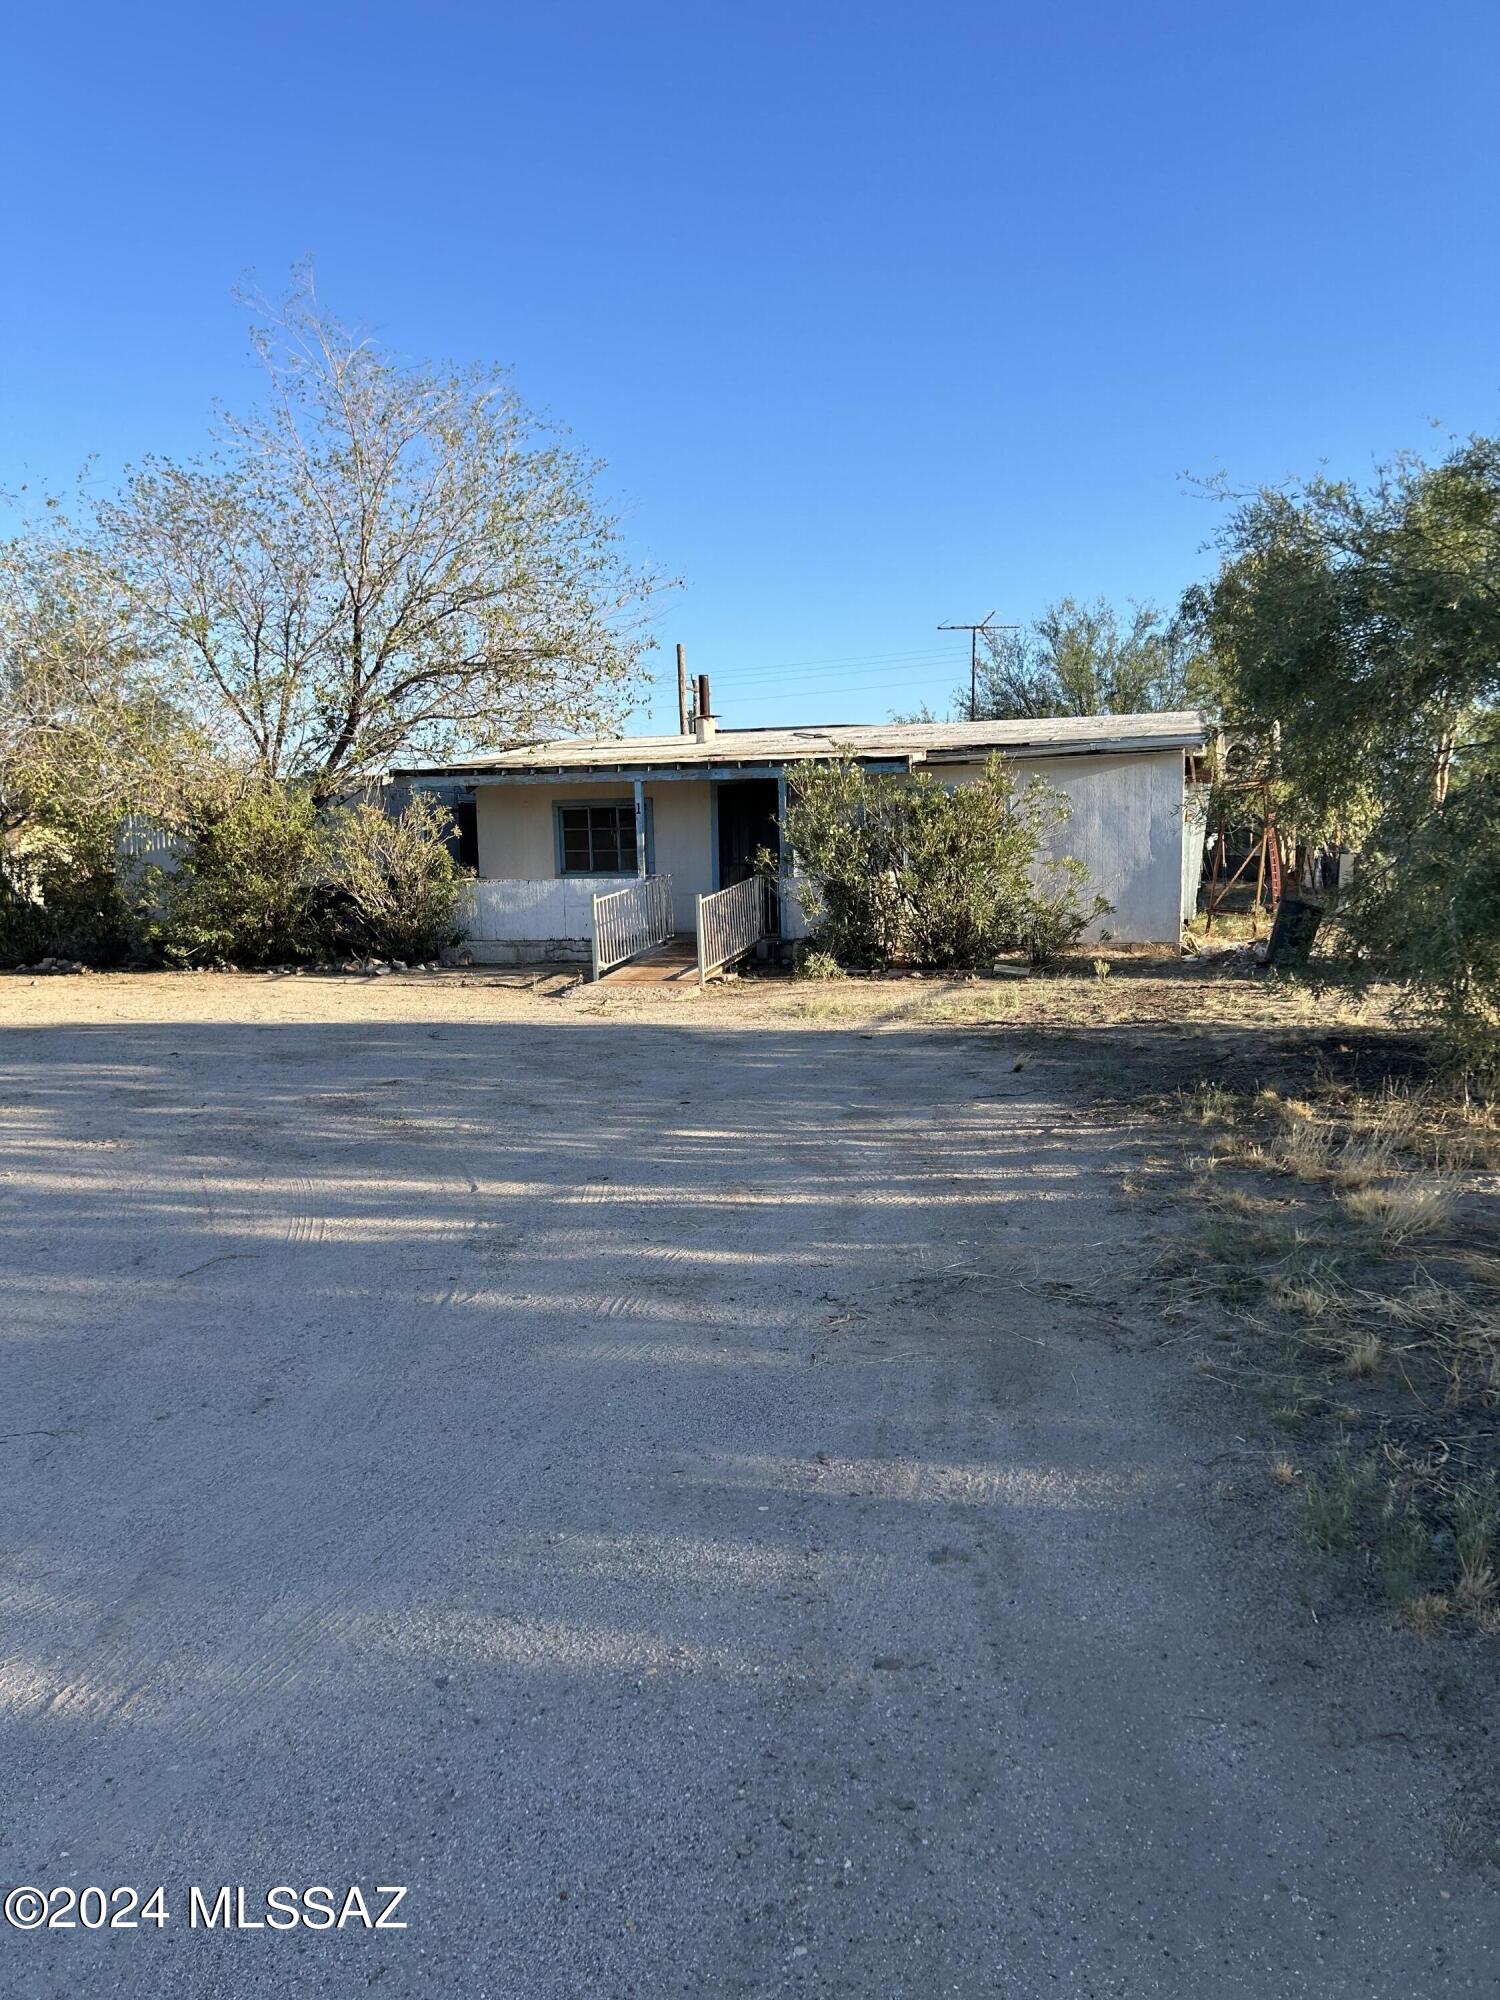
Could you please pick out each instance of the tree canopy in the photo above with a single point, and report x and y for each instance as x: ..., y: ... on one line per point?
x: 1358, y: 631
x: 384, y: 560
x: 87, y: 729
x: 1364, y: 626
x: 1086, y: 659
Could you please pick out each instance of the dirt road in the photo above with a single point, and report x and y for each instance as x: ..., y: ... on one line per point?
x: 692, y: 1498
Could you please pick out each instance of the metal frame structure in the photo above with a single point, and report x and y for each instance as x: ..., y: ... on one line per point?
x: 730, y: 923
x: 630, y: 921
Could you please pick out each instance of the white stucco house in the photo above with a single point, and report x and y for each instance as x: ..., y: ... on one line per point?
x: 558, y: 824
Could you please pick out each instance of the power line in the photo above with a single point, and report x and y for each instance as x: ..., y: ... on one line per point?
x: 929, y: 689
x: 851, y: 659
x: 773, y: 681
x: 974, y: 631
x: 842, y: 660
x: 760, y: 698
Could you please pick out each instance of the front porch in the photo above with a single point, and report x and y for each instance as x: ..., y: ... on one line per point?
x: 629, y: 931
x: 674, y: 963
x: 551, y: 850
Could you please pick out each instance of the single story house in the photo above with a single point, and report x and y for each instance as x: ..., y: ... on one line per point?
x: 558, y: 824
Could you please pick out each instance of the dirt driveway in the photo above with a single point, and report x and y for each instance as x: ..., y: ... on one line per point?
x: 692, y: 1496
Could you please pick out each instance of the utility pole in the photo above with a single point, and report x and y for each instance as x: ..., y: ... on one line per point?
x: 974, y: 631
x: 684, y: 725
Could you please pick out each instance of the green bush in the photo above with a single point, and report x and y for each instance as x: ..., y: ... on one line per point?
x: 22, y: 925
x: 265, y: 879
x: 815, y: 964
x: 69, y: 895
x: 906, y: 869
x: 248, y: 889
x: 397, y: 885
x: 1425, y: 907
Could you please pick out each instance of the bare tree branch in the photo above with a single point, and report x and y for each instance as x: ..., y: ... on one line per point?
x: 386, y: 561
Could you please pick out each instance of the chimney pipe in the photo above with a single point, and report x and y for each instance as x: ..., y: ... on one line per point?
x: 704, y: 723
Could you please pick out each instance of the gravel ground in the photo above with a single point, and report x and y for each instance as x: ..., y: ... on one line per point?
x: 691, y: 1495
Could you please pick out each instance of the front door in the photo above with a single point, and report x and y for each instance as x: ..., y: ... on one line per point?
x: 747, y: 811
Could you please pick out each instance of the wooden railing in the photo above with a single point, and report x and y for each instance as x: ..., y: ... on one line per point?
x: 631, y: 920
x: 731, y: 922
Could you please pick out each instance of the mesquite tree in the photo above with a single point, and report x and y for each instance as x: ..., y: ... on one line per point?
x: 386, y: 560
x: 87, y: 732
x: 1084, y: 659
x: 1359, y: 633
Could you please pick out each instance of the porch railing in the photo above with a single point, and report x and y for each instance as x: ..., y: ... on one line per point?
x: 631, y: 920
x: 731, y: 922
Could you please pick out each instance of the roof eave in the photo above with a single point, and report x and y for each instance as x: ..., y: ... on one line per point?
x: 1104, y: 747
x: 729, y: 757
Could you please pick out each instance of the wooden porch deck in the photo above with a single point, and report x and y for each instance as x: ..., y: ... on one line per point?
x: 676, y: 960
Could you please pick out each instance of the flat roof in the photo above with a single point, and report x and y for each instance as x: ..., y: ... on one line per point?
x: 892, y: 743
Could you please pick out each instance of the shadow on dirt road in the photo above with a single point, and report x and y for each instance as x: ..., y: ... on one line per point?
x: 699, y: 1506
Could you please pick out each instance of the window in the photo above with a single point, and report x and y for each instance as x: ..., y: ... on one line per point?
x: 599, y: 839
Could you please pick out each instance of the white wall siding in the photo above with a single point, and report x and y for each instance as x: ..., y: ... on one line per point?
x: 139, y: 838
x: 1125, y: 826
x: 534, y: 912
x: 518, y: 840
x: 506, y: 923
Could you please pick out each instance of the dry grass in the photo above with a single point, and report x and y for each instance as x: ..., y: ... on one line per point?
x: 1230, y: 927
x: 1430, y: 1125
x: 1289, y: 1135
x: 1145, y: 987
x: 1302, y: 1150
x: 1363, y: 1354
x: 1309, y: 1297
x: 1314, y: 1211
x: 1421, y: 1306
x: 1424, y: 1615
x: 1209, y: 1104
x: 1137, y: 986
x: 1404, y: 1212
x: 1476, y: 1516
x: 1363, y: 1160
x: 1461, y: 1334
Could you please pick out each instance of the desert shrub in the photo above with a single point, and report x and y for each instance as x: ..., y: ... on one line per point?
x: 1055, y: 913
x: 897, y: 868
x: 248, y: 887
x: 22, y: 924
x: 815, y: 964
x: 397, y: 884
x: 1426, y: 907
x: 68, y: 894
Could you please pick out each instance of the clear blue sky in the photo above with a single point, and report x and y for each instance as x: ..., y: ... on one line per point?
x: 881, y: 314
